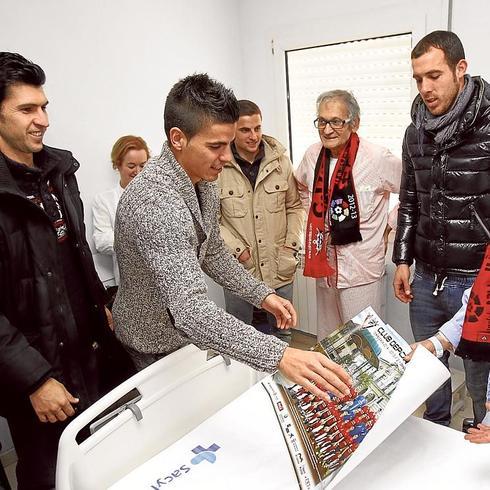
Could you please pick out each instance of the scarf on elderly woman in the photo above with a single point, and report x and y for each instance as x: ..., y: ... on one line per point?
x: 445, y: 125
x: 336, y: 202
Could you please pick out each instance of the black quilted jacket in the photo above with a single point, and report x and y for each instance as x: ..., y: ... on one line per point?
x: 442, y: 189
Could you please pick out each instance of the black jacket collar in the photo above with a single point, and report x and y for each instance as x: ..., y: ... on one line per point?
x: 61, y: 161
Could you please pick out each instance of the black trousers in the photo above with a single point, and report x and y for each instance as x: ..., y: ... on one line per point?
x: 36, y: 445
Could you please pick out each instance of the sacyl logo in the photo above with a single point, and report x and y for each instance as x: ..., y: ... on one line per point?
x: 201, y: 454
x: 204, y: 454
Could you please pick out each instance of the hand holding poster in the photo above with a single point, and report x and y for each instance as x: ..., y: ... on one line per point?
x: 329, y: 432
x: 281, y: 437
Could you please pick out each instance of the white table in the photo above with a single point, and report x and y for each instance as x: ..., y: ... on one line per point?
x: 420, y: 455
x: 252, y: 454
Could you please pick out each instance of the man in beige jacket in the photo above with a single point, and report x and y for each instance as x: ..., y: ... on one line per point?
x: 261, y: 215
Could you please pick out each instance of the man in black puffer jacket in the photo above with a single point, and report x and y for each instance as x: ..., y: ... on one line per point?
x: 53, y: 325
x: 445, y: 184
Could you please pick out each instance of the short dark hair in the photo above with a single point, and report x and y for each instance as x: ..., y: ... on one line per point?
x: 15, y: 69
x: 198, y: 100
x: 447, y: 41
x: 248, y: 108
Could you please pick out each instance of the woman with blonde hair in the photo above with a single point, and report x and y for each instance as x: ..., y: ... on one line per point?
x: 129, y: 155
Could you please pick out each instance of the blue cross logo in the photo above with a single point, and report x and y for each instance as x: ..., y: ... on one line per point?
x: 204, y: 454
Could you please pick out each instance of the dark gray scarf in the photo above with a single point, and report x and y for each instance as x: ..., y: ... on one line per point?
x: 446, y: 124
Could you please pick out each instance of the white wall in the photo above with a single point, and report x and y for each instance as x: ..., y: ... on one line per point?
x: 470, y: 20
x: 289, y: 24
x: 110, y: 65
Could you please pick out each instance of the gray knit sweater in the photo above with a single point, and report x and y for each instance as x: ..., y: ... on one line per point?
x: 165, y: 239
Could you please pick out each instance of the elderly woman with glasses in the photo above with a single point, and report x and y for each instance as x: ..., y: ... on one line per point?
x: 345, y: 183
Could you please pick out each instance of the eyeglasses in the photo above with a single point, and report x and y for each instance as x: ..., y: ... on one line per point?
x: 335, y: 123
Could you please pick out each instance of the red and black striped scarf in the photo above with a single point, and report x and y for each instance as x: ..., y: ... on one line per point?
x: 340, y: 201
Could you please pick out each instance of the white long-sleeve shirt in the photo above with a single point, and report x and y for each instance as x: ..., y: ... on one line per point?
x: 453, y: 328
x: 104, y: 215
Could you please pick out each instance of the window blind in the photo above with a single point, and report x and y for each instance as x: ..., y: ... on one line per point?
x: 377, y: 71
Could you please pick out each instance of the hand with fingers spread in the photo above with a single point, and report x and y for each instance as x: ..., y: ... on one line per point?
x: 52, y: 402
x: 315, y: 372
x: 282, y: 309
x: 401, y: 283
x: 480, y: 435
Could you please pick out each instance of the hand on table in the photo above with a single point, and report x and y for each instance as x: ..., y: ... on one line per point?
x: 481, y: 435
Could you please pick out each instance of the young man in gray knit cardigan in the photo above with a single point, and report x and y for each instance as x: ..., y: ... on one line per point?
x: 167, y: 236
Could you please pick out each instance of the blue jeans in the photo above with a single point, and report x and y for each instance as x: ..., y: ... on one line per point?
x: 476, y: 382
x: 428, y: 312
x: 242, y: 310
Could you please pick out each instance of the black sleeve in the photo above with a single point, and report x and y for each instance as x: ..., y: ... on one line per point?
x: 22, y: 367
x: 403, y: 250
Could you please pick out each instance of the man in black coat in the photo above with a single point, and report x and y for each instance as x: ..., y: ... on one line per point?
x: 53, y: 323
x: 445, y: 185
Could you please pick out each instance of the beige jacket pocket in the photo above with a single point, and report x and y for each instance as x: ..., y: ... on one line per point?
x: 286, y: 264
